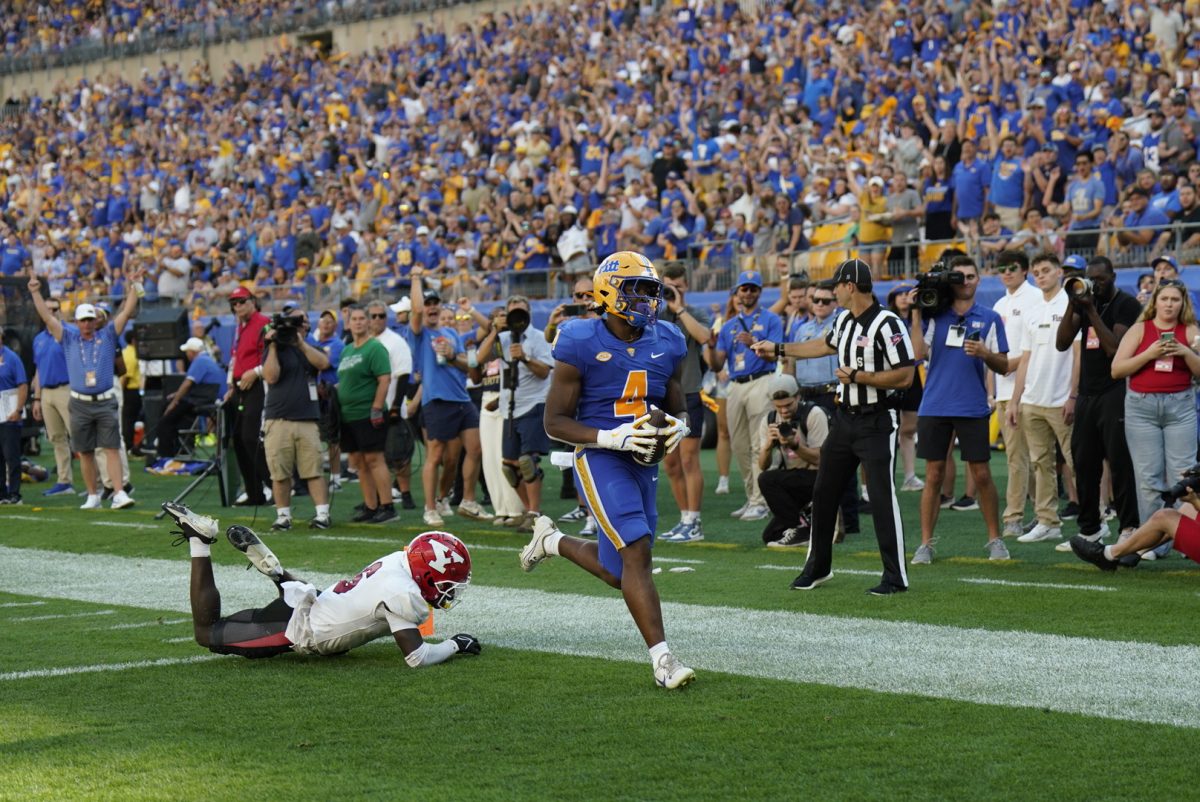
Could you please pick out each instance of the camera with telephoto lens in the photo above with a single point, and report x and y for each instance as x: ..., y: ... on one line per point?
x: 786, y: 430
x: 286, y: 327
x: 935, y: 289
x: 1190, y: 481
x: 668, y: 294
x: 516, y: 320
x: 1078, y: 287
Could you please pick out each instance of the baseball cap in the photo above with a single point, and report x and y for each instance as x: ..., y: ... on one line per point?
x: 674, y: 176
x: 240, y: 292
x: 192, y: 344
x: 1074, y: 262
x: 432, y: 295
x: 855, y: 271
x: 85, y: 312
x: 782, y: 383
x: 751, y: 277
x: 329, y: 312
x: 402, y: 306
x: 1049, y: 147
x: 422, y: 230
x: 1171, y: 260
x: 463, y: 252
x: 875, y: 181
x: 1037, y: 103
x: 570, y: 209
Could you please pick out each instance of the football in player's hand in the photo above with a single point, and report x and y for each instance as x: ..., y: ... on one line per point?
x: 658, y: 420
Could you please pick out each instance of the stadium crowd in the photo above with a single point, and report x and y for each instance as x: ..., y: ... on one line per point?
x: 747, y: 143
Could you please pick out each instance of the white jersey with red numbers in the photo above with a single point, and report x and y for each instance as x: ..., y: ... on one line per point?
x: 381, y: 598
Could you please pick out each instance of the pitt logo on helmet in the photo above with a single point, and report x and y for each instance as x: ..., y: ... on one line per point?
x: 627, y: 286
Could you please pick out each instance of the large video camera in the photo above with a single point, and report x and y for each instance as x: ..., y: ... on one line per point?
x: 1190, y: 481
x: 935, y: 289
x: 516, y: 320
x: 286, y: 327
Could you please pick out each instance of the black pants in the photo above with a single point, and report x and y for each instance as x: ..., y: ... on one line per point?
x: 131, y: 410
x: 787, y: 493
x: 848, y: 497
x: 246, y: 429
x: 10, y: 459
x: 869, y: 440
x: 170, y: 424
x: 1099, y: 434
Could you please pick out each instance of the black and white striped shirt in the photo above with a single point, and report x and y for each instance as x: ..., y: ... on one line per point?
x: 876, y: 340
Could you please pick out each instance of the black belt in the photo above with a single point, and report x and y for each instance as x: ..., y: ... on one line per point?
x: 814, y: 390
x: 863, y: 409
x: 752, y: 376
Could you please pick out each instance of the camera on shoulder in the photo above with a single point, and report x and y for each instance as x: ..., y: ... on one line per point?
x: 286, y: 327
x: 1189, y: 482
x: 935, y: 289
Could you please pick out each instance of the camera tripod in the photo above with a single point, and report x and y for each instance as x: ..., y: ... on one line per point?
x: 214, y: 466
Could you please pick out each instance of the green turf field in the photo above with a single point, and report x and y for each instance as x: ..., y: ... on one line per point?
x: 1039, y: 678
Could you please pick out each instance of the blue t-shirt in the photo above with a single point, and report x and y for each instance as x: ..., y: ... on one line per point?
x: 1082, y: 195
x: 13, y: 259
x: 440, y: 382
x: 205, y: 370
x: 763, y: 324
x: 332, y: 348
x: 618, y: 380
x: 955, y: 383
x: 1149, y: 218
x: 50, y: 361
x: 90, y: 362
x: 939, y: 196
x: 970, y: 183
x: 1008, y: 183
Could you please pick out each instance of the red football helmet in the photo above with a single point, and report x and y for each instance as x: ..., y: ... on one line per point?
x: 441, y: 567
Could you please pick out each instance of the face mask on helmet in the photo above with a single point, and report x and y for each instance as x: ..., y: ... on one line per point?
x: 441, y: 567
x: 638, y: 300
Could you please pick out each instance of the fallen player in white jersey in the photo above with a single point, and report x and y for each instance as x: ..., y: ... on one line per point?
x: 392, y: 594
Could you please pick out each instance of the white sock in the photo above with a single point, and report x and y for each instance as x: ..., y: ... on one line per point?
x: 550, y: 544
x: 322, y: 510
x: 199, y: 548
x: 657, y: 651
x: 1108, y: 555
x: 689, y: 516
x: 283, y: 512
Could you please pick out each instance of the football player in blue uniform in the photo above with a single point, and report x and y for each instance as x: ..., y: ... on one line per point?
x: 608, y: 373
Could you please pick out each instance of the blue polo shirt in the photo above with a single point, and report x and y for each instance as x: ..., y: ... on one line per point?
x: 970, y: 182
x: 50, y: 361
x: 12, y: 376
x: 205, y: 370
x: 762, y: 324
x: 955, y: 385
x: 823, y: 369
x: 93, y: 357
x: 440, y: 382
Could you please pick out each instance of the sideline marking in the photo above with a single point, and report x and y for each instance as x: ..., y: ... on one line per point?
x: 95, y: 669
x: 188, y: 639
x: 140, y: 624
x: 126, y: 525
x: 836, y: 571
x: 23, y: 604
x: 28, y: 518
x: 60, y: 615
x: 965, y: 664
x: 1050, y: 585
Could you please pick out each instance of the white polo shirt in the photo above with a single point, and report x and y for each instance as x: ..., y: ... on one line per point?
x: 1048, y: 377
x: 1014, y: 309
x: 400, y: 357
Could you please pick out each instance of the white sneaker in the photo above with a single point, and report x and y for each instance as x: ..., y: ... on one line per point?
x: 396, y: 494
x: 335, y: 483
x: 923, y: 555
x: 471, y: 509
x: 535, y: 551
x: 443, y: 508
x: 1041, y: 532
x: 201, y: 527
x: 1063, y: 547
x: 590, y: 528
x: 670, y: 673
x: 121, y: 500
x: 722, y: 486
x: 433, y: 519
x: 998, y: 551
x: 912, y: 484
x: 92, y: 503
x: 1013, y: 529
x: 740, y: 511
x: 754, y: 512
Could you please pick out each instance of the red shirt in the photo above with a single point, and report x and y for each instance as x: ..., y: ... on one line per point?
x: 1155, y: 376
x: 248, y: 345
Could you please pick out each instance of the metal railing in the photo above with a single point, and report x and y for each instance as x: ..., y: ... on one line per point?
x: 203, y: 33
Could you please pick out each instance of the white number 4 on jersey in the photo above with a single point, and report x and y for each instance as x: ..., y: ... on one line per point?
x: 443, y: 556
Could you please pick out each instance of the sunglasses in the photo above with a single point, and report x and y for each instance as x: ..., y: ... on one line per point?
x: 238, y: 301
x: 581, y: 296
x: 749, y: 288
x: 462, y: 317
x: 1008, y: 268
x: 822, y: 301
x: 379, y: 317
x: 52, y: 309
x: 1171, y: 282
x: 433, y: 302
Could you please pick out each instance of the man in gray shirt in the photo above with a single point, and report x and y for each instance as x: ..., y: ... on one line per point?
x: 683, y: 464
x: 905, y: 210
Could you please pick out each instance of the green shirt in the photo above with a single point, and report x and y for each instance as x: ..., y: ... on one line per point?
x: 358, y: 374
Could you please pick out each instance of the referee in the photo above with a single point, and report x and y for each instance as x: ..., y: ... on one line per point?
x: 875, y: 360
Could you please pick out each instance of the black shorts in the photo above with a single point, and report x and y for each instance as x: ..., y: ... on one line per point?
x: 253, y: 633
x: 446, y: 420
x: 695, y: 415
x: 526, y: 435
x: 911, y: 400
x: 360, y: 437
x: 331, y: 418
x: 935, y: 434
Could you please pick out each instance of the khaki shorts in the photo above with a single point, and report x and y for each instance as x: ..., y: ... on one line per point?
x: 292, y: 444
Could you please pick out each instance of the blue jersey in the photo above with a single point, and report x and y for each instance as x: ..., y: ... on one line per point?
x: 440, y: 382
x: 619, y: 380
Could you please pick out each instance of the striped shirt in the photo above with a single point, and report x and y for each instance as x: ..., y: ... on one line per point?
x: 90, y: 362
x: 874, y: 341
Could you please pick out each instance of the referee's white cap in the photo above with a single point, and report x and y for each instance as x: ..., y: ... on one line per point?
x: 855, y: 271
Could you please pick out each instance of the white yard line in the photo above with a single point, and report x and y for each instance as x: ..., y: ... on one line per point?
x: 128, y: 525
x: 93, y: 669
x: 1050, y: 585
x: 473, y: 546
x: 1087, y: 676
x: 57, y: 616
x: 23, y: 604
x: 141, y: 624
x: 798, y: 568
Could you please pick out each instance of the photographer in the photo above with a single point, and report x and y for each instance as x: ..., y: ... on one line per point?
x: 526, y: 362
x: 1103, y: 313
x: 683, y: 464
x: 962, y: 340
x: 792, y: 435
x: 291, y: 433
x: 1163, y: 526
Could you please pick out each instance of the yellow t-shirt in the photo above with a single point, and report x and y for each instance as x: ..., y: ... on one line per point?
x: 868, y: 230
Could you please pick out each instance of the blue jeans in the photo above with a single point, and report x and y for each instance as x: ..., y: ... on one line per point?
x: 1161, y: 431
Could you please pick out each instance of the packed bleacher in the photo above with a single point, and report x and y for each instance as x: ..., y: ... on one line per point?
x: 505, y: 156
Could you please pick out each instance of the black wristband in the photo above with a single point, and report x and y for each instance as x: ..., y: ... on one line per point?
x: 778, y: 350
x: 853, y: 375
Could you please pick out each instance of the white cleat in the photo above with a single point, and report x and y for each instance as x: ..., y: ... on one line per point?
x: 191, y: 524
x: 244, y: 540
x: 535, y: 552
x: 670, y: 673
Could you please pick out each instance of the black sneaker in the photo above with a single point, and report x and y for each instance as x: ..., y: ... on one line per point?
x: 359, y: 508
x: 964, y: 504
x: 320, y: 522
x: 107, y: 494
x: 806, y: 582
x: 14, y: 499
x: 886, y: 589
x: 385, y: 513
x: 1069, y: 512
x: 406, y: 501
x: 128, y: 488
x: 1093, y: 551
x: 365, y: 514
x: 947, y: 502
x: 1130, y: 560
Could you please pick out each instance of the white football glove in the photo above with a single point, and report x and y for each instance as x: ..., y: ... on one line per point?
x: 635, y: 436
x: 675, y: 430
